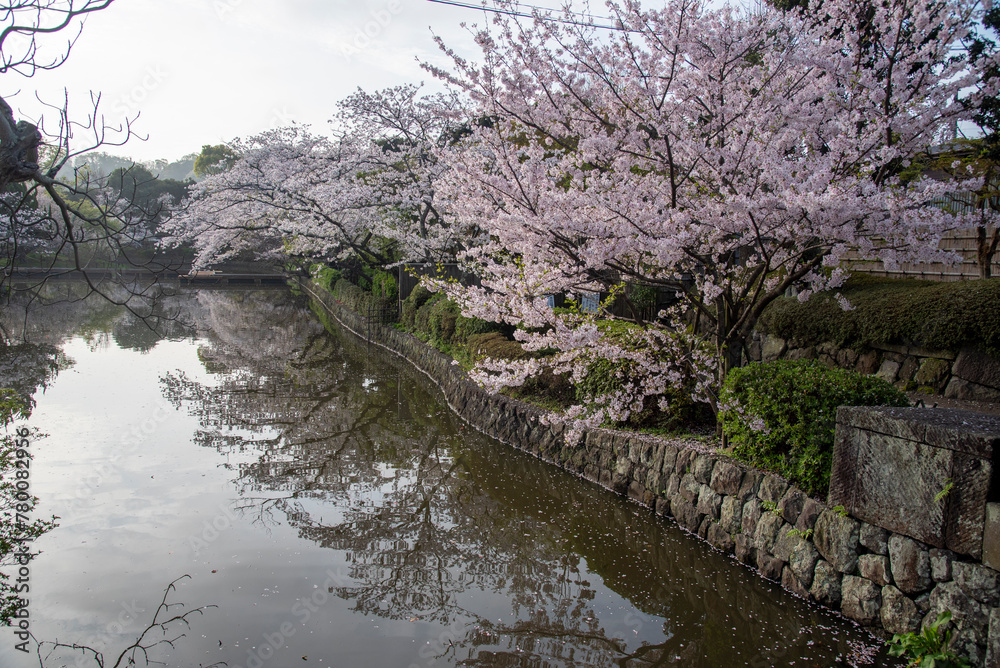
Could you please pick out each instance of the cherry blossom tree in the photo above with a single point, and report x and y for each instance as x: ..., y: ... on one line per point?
x: 722, y: 154
x: 368, y: 191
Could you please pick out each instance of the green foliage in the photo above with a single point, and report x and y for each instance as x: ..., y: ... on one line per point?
x: 945, y: 491
x: 356, y: 299
x: 781, y: 416
x: 495, y: 346
x: 325, y: 276
x: 419, y: 296
x: 941, y: 316
x: 467, y: 327
x: 929, y: 648
x: 15, y: 527
x: 443, y: 316
x: 214, y: 160
x: 384, y: 285
x: 643, y: 296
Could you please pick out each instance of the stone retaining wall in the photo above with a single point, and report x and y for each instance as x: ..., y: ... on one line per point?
x: 968, y: 374
x: 885, y: 581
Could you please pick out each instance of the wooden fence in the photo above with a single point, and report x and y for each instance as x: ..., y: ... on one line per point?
x: 962, y: 241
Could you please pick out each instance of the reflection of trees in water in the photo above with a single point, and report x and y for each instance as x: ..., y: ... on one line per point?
x: 442, y: 525
x: 360, y: 458
x: 59, y: 310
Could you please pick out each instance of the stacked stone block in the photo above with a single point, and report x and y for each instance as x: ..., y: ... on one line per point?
x: 967, y: 374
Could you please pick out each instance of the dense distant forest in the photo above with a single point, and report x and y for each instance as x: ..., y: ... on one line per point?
x: 103, y: 164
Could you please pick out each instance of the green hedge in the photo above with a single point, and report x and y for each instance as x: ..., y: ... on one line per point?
x: 781, y: 416
x: 356, y: 299
x: 325, y: 276
x: 433, y: 317
x: 940, y: 316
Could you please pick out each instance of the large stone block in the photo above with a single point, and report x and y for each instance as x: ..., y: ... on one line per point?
x: 767, y: 532
x: 791, y: 504
x: 772, y: 488
x: 772, y: 348
x: 836, y: 538
x: 861, y: 600
x: 977, y: 367
x: 726, y: 478
x: 826, y: 584
x: 911, y: 565
x: 702, y: 467
x: 810, y: 513
x: 792, y: 583
x: 709, y: 502
x: 979, y: 582
x: 923, y: 473
x: 720, y: 538
x: 875, y: 539
x: 731, y: 515
x: 899, y: 613
x: 802, y: 561
x: 991, y: 536
x: 876, y: 568
x: 966, y: 390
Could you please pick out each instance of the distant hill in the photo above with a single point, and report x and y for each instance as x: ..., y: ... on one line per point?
x: 102, y: 164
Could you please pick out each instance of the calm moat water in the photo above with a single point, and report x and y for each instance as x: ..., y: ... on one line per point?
x: 323, y: 497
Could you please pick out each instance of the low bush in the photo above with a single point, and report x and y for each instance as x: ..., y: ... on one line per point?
x: 941, y: 316
x: 494, y: 345
x: 443, y: 316
x: 325, y: 276
x: 781, y: 416
x: 356, y: 299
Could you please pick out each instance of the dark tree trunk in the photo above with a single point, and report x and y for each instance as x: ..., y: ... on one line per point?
x: 985, y: 249
x: 19, y: 142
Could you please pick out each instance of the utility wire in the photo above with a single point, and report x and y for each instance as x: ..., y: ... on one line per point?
x: 523, y: 13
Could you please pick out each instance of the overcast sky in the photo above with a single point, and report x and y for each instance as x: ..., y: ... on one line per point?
x: 206, y: 71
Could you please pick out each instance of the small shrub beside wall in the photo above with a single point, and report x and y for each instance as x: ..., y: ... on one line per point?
x: 781, y: 416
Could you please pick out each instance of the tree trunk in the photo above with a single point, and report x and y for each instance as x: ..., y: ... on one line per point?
x: 19, y: 142
x: 985, y: 249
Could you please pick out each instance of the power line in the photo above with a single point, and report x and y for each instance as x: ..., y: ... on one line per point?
x: 523, y: 13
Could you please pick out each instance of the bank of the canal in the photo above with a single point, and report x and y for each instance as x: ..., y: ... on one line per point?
x: 885, y: 581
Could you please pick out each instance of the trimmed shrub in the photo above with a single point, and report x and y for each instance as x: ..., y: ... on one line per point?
x: 496, y: 346
x: 444, y: 314
x: 419, y: 296
x: 940, y: 316
x: 425, y: 313
x: 356, y: 299
x: 325, y: 276
x: 781, y: 416
x: 467, y: 327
